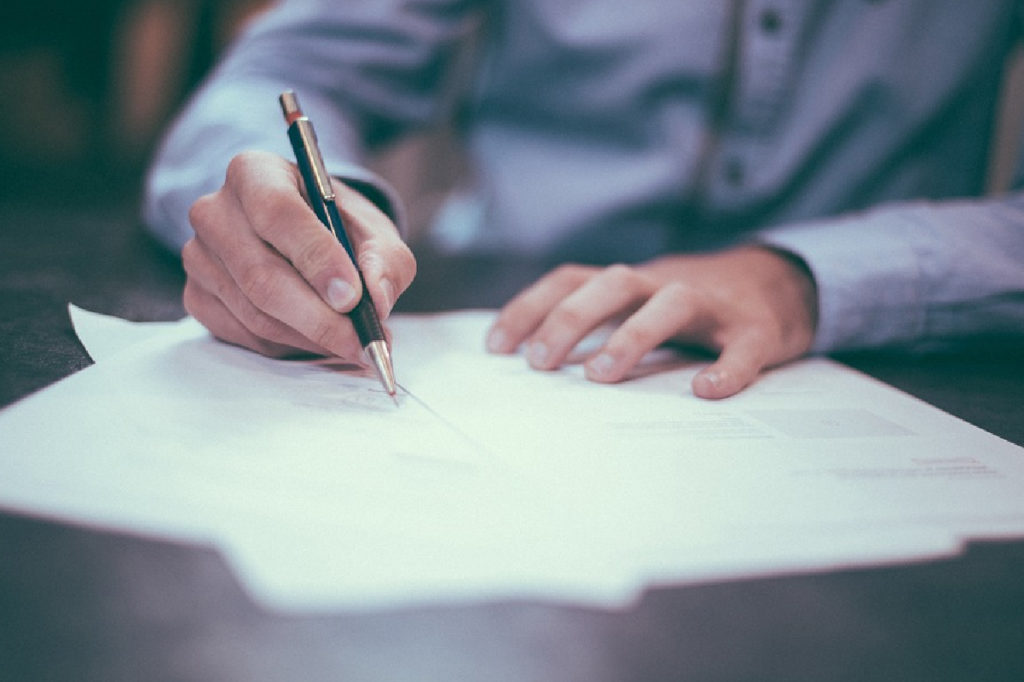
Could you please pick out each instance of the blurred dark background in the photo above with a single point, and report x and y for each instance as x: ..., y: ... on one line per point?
x: 86, y: 87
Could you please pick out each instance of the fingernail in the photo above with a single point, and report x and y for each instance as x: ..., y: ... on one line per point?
x: 340, y: 294
x: 707, y: 384
x: 537, y: 354
x: 496, y: 341
x: 713, y: 378
x: 600, y: 366
x: 388, y: 290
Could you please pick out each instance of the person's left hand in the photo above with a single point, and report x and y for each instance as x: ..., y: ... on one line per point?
x: 754, y: 306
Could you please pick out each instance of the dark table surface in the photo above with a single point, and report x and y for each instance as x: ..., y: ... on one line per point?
x: 84, y: 604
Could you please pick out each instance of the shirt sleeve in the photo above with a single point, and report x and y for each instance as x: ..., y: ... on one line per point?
x: 914, y: 275
x: 917, y: 275
x: 365, y: 72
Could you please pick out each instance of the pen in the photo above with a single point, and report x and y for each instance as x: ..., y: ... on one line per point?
x: 321, y: 196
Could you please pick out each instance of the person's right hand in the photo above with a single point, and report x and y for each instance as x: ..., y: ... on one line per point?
x: 263, y: 272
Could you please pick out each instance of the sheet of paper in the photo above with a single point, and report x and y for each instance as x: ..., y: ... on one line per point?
x: 491, y: 480
x: 104, y: 336
x: 813, y: 442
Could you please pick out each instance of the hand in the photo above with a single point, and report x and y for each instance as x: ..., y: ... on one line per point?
x: 754, y: 306
x: 264, y: 273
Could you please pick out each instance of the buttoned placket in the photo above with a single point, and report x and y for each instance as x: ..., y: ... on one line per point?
x: 766, y: 36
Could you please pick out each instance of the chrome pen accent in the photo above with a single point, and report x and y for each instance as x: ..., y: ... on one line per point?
x: 321, y: 197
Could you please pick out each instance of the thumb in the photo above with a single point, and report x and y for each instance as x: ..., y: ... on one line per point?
x: 738, y: 365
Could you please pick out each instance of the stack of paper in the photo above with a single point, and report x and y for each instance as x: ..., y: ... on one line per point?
x: 491, y: 480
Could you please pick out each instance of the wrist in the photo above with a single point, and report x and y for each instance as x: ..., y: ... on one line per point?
x: 793, y: 281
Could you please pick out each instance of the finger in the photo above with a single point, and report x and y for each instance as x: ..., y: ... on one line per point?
x: 387, y: 263
x: 263, y: 275
x: 274, y: 288
x: 268, y: 191
x: 739, y: 363
x: 207, y: 275
x: 604, y: 295
x: 212, y: 313
x: 672, y: 310
x: 521, y: 316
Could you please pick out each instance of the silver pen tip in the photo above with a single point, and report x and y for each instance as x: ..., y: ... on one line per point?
x: 380, y: 356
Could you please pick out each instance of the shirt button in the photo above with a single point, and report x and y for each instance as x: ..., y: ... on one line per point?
x: 734, y: 172
x: 771, y: 20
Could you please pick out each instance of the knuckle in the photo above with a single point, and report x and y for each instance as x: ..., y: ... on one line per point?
x: 409, y: 267
x: 190, y: 298
x: 676, y: 294
x: 571, y: 272
x: 402, y: 261
x: 281, y: 217
x: 240, y: 166
x: 402, y: 255
x: 311, y: 254
x: 393, y: 260
x: 259, y: 284
x: 568, y: 315
x: 630, y: 337
x: 223, y: 288
x: 266, y: 200
x: 189, y: 255
x: 625, y: 277
x: 619, y: 272
x: 270, y: 205
x: 201, y: 212
x: 261, y: 325
x: 325, y: 333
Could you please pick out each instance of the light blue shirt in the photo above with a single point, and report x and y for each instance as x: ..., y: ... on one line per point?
x: 852, y: 133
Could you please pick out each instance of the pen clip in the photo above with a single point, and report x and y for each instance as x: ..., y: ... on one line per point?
x: 316, y: 161
x: 303, y: 127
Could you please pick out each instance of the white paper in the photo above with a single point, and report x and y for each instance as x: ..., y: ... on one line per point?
x: 492, y: 480
x: 104, y: 336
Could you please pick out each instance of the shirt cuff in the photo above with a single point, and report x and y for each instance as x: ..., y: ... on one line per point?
x: 867, y: 277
